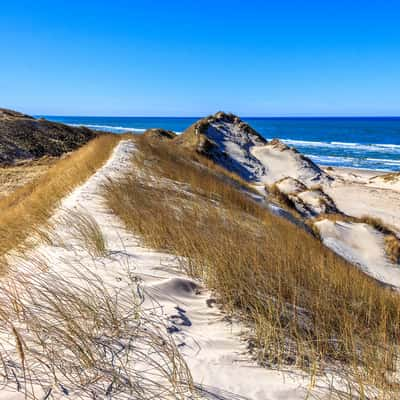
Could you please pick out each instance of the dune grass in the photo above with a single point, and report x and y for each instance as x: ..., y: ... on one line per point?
x: 87, y: 232
x: 14, y: 176
x: 74, y: 333
x: 23, y: 212
x: 63, y: 337
x: 282, y: 199
x: 306, y: 306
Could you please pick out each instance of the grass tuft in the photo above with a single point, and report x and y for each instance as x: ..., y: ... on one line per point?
x: 87, y: 231
x: 66, y: 337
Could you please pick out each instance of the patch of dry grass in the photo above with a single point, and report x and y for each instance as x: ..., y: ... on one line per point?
x: 65, y: 337
x: 87, y: 232
x: 28, y: 208
x: 390, y: 177
x: 307, y: 306
x: 282, y: 199
x: 392, y: 248
x: 15, y: 176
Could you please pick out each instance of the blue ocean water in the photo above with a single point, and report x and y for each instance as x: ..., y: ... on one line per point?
x: 362, y: 142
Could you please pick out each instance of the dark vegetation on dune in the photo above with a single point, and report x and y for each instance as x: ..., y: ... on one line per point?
x: 196, y: 136
x: 206, y: 136
x: 23, y: 137
x: 158, y: 133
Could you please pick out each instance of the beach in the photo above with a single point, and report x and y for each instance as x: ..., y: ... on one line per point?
x: 358, y: 194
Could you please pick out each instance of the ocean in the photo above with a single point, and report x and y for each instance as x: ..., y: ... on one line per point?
x: 362, y: 142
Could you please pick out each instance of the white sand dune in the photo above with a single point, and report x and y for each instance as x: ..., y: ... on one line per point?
x: 212, y: 346
x: 280, y: 161
x: 354, y: 195
x: 290, y: 185
x: 232, y: 148
x: 240, y: 149
x: 389, y: 181
x: 308, y: 202
x: 314, y: 191
x: 363, y: 246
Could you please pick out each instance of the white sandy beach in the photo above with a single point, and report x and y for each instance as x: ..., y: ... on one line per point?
x: 356, y: 193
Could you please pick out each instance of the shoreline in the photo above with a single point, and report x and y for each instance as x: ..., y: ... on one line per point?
x: 362, y: 172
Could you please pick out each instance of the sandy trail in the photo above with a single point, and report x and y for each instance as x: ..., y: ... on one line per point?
x: 211, y: 345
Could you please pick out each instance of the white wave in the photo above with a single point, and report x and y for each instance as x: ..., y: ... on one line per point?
x: 332, y: 159
x: 345, y: 144
x: 385, y: 160
x: 116, y: 128
x: 394, y: 146
x: 373, y: 147
x: 109, y: 127
x: 302, y: 142
x: 368, y: 163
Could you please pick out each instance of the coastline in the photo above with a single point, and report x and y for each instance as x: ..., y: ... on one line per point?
x: 360, y: 172
x: 363, y: 143
x: 356, y: 193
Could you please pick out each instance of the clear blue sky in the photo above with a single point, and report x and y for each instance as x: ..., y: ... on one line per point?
x: 189, y: 58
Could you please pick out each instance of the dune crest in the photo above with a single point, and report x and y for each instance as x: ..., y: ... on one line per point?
x: 236, y: 146
x: 23, y: 137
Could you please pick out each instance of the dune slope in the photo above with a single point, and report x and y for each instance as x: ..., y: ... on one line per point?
x: 23, y: 137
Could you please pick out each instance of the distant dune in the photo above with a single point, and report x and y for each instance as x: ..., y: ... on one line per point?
x: 23, y: 137
x: 235, y: 145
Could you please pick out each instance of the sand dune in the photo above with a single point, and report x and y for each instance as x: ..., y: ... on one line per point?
x: 311, y: 190
x: 362, y: 245
x: 210, y: 344
x: 355, y: 195
x: 236, y: 146
x: 281, y: 161
x: 387, y: 181
x: 187, y: 314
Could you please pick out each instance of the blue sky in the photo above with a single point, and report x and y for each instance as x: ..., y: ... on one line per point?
x: 190, y: 58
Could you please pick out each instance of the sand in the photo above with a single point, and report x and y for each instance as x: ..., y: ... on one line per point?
x: 280, y: 161
x: 363, y: 246
x: 355, y: 195
x: 316, y: 191
x: 212, y: 346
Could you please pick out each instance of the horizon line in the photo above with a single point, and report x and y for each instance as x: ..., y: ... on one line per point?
x: 199, y: 116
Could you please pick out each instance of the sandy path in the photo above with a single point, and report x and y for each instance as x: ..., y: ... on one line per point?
x: 211, y: 346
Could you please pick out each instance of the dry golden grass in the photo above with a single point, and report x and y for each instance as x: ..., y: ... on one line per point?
x: 87, y: 232
x: 79, y: 337
x: 282, y: 199
x: 393, y: 176
x: 28, y: 208
x: 307, y: 306
x: 392, y: 248
x: 13, y: 177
